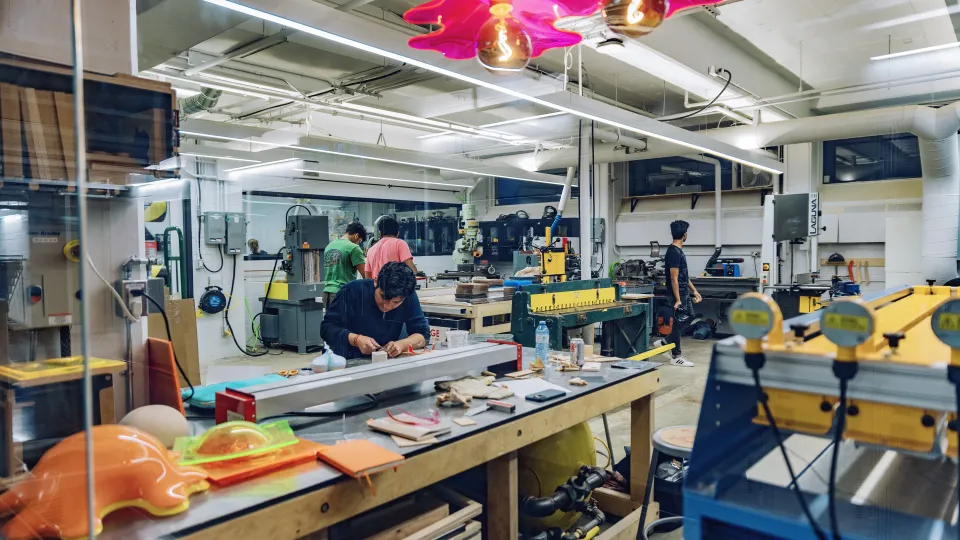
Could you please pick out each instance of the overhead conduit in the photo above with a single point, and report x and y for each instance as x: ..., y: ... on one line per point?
x: 939, y: 155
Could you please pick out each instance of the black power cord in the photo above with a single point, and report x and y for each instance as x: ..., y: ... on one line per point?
x: 226, y: 312
x: 953, y: 374
x: 166, y: 323
x: 712, y: 101
x: 287, y: 215
x: 755, y: 361
x: 273, y: 275
x: 843, y: 371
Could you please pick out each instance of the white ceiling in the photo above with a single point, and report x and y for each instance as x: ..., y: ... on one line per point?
x: 760, y: 41
x: 829, y: 43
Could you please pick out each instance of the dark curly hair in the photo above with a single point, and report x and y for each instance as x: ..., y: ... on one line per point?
x: 396, y: 280
x: 358, y: 229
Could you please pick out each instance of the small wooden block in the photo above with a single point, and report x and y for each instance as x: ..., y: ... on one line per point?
x: 591, y: 366
x: 519, y: 374
x: 379, y: 356
x: 403, y: 443
x: 464, y: 422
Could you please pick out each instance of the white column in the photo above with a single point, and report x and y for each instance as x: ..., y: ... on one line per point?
x: 586, y: 213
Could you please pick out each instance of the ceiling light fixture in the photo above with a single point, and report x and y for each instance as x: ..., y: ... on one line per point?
x: 289, y: 23
x: 446, y: 125
x: 241, y: 82
x: 358, y: 156
x: 259, y: 165
x: 228, y: 158
x: 916, y: 51
x: 496, y: 124
x: 215, y: 86
x: 382, y: 178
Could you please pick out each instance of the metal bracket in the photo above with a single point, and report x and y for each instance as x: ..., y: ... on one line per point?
x: 633, y: 204
x: 693, y: 201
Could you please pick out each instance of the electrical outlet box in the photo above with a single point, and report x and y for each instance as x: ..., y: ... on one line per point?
x: 155, y: 290
x: 126, y: 287
x: 215, y: 227
x: 236, y: 235
x: 599, y: 228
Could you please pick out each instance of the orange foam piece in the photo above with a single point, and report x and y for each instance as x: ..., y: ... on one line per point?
x: 131, y: 469
x: 225, y: 473
x: 360, y: 456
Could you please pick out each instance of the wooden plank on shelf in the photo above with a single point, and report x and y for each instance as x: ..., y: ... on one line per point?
x: 11, y: 129
x: 414, y: 524
x: 121, y: 79
x: 871, y: 261
x: 51, y: 134
x: 65, y: 119
x: 33, y: 129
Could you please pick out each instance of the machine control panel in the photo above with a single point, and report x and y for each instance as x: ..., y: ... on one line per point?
x: 215, y: 227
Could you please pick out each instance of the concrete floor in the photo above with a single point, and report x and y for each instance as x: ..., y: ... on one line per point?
x: 677, y: 402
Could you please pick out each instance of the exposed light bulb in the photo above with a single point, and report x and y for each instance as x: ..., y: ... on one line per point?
x: 502, y: 43
x: 633, y: 18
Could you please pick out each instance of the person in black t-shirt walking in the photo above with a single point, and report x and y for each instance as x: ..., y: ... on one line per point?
x: 679, y: 291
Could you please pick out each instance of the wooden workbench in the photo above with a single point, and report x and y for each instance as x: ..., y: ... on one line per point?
x: 441, y: 302
x: 311, y: 497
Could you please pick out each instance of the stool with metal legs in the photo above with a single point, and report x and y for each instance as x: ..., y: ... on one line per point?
x: 676, y: 441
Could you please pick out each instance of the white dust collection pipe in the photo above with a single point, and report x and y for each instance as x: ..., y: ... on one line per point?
x: 618, y: 139
x: 564, y: 197
x: 924, y: 122
x: 717, y: 184
x: 940, y: 162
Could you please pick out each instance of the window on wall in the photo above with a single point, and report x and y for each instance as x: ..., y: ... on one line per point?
x: 676, y: 175
x: 428, y: 228
x: 864, y: 159
x: 519, y: 192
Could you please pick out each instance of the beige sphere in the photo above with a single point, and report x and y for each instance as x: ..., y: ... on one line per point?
x: 163, y: 422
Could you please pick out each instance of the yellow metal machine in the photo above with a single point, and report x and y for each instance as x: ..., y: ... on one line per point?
x: 876, y: 377
x: 553, y: 260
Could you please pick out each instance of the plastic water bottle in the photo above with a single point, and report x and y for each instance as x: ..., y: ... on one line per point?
x: 543, y: 342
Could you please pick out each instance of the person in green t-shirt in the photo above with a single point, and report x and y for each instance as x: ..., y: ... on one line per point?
x: 342, y: 260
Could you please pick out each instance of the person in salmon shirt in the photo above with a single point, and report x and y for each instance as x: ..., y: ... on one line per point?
x: 388, y: 249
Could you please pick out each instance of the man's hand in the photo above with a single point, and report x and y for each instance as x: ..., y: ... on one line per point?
x: 697, y: 298
x: 394, y: 349
x: 367, y: 344
x: 676, y: 305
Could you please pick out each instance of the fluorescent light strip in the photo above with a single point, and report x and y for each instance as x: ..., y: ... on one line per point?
x: 445, y: 125
x: 412, y: 121
x: 218, y: 157
x: 229, y: 4
x: 266, y: 164
x: 215, y: 86
x: 356, y: 156
x: 383, y: 178
x: 916, y: 51
x: 241, y: 82
x: 495, y: 124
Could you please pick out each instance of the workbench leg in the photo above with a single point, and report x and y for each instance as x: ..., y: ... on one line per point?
x: 641, y: 449
x: 503, y: 502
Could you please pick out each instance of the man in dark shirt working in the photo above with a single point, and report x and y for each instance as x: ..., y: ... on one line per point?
x: 679, y: 290
x: 363, y: 317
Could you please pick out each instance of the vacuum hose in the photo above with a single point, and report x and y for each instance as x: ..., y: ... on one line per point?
x: 564, y: 197
x: 566, y: 497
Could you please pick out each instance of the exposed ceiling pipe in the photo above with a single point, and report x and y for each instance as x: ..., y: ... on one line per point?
x: 715, y: 109
x: 812, y: 94
x: 204, y: 101
x: 606, y: 136
x: 924, y: 122
x: 259, y: 45
x: 940, y: 164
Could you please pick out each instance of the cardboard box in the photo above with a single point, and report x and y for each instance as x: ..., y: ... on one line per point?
x: 183, y: 325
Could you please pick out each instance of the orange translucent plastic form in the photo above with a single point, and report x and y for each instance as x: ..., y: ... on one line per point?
x: 131, y: 469
x: 234, y: 440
